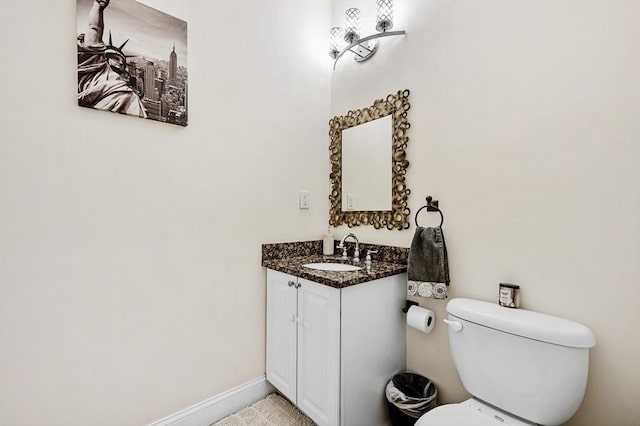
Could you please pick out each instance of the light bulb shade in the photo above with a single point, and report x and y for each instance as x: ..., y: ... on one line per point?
x: 352, y: 25
x: 384, y: 15
x: 336, y: 41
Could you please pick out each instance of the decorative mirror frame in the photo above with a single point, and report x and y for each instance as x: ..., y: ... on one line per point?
x: 397, y: 106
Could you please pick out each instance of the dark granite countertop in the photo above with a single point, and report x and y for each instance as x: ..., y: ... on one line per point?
x: 292, y: 260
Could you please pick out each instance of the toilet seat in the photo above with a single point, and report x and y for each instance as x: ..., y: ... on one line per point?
x: 468, y: 413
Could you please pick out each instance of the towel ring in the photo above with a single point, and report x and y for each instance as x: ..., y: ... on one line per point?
x: 431, y: 206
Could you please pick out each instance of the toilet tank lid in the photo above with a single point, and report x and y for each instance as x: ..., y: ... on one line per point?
x: 521, y: 322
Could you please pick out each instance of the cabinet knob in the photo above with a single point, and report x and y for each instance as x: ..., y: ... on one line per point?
x: 292, y: 284
x: 292, y: 317
x: 299, y: 285
x: 302, y: 322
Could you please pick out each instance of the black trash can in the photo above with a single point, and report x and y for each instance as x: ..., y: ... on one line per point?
x: 410, y: 395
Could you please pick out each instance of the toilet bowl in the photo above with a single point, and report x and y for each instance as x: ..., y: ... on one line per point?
x: 522, y: 367
x: 470, y: 412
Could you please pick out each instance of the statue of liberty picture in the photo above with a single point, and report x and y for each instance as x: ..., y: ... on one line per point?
x: 132, y: 59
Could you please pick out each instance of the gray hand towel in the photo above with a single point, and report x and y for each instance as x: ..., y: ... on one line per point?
x: 428, y: 260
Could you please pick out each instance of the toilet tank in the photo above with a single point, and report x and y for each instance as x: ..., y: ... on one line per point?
x: 526, y: 363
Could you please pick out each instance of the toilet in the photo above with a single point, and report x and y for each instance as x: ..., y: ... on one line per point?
x: 522, y: 367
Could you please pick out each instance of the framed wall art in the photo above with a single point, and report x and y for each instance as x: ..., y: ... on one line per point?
x: 132, y: 59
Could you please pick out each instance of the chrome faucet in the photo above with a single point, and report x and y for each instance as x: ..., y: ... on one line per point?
x: 356, y: 252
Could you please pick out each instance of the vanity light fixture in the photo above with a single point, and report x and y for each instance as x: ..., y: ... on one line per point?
x: 348, y: 40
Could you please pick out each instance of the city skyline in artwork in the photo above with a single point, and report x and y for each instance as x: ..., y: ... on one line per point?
x: 132, y: 59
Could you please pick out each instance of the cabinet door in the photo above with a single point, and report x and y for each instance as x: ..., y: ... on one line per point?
x: 372, y: 350
x: 281, y: 332
x: 319, y: 352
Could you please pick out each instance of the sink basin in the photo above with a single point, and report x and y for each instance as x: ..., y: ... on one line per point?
x: 340, y: 267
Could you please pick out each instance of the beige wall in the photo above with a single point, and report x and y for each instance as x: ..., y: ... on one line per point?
x: 524, y: 124
x: 130, y: 278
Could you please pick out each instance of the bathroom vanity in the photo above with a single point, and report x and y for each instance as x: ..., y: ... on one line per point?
x: 334, y: 339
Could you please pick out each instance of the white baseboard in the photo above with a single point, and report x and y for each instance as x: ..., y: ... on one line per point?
x: 215, y: 408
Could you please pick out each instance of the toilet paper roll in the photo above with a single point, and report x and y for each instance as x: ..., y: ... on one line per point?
x: 421, y: 319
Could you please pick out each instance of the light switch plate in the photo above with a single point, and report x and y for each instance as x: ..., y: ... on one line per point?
x: 304, y: 199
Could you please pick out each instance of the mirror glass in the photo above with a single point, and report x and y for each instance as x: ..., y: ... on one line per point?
x: 368, y: 165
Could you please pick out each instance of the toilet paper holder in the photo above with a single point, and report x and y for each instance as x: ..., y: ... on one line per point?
x: 408, y: 304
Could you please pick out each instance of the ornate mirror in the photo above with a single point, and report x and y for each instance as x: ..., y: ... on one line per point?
x: 368, y: 165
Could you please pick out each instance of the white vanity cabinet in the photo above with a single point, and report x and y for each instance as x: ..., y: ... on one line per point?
x: 331, y: 351
x: 303, y: 344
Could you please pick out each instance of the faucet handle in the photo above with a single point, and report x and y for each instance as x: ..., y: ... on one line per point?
x: 367, y: 260
x: 344, y: 251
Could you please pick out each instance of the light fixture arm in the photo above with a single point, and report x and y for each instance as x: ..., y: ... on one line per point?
x: 360, y: 45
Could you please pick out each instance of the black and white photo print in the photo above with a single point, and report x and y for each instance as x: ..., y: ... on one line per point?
x: 132, y: 59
